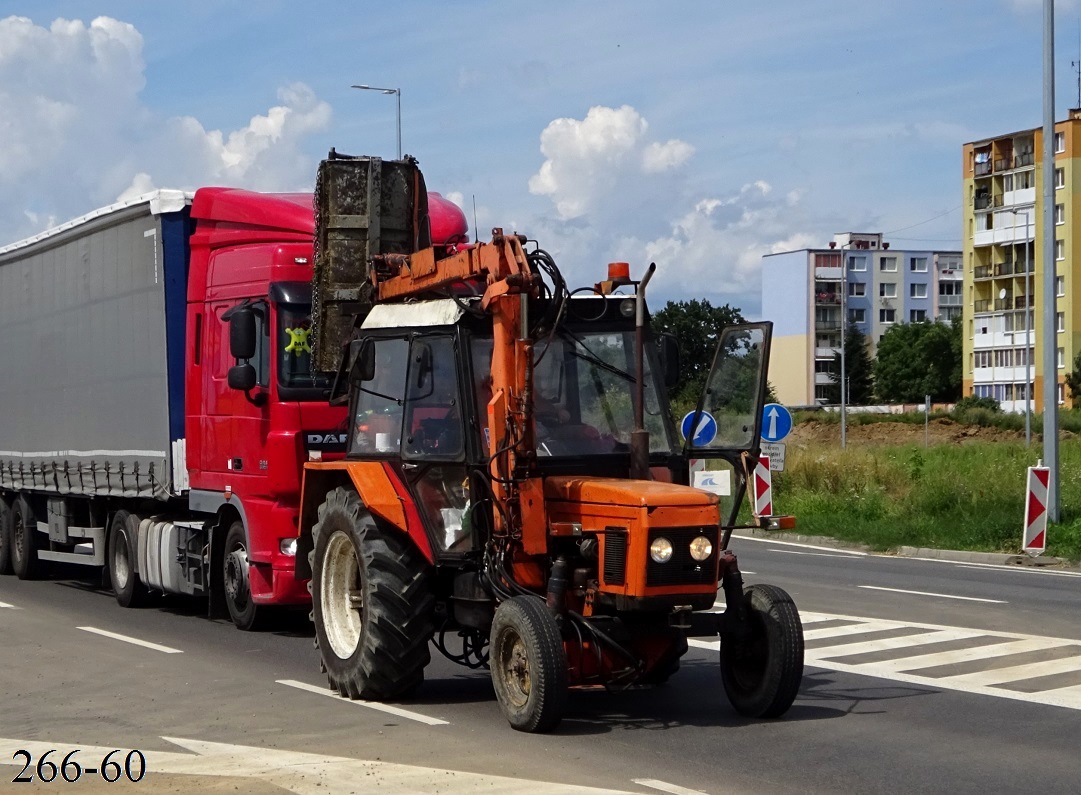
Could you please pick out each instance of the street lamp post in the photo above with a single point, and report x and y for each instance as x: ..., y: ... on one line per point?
x: 844, y: 319
x: 397, y: 92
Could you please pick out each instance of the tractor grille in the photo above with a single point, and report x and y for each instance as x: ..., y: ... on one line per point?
x: 615, y: 557
x: 682, y: 569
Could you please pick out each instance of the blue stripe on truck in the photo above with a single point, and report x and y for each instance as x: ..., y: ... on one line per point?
x: 175, y: 231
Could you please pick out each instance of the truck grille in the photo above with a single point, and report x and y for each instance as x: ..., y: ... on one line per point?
x: 682, y: 569
x: 615, y: 557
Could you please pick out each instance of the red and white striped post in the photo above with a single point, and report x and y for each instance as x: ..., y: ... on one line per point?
x: 1034, y: 538
x: 763, y: 488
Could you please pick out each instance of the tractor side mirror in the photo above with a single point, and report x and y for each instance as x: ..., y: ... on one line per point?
x: 422, y: 360
x: 362, y: 366
x: 669, y: 352
x: 242, y: 377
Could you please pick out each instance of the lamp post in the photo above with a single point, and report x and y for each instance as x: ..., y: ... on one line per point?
x: 397, y: 92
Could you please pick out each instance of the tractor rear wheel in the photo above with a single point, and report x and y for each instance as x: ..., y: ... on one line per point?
x: 5, y: 537
x: 529, y: 668
x: 372, y: 603
x: 762, y: 668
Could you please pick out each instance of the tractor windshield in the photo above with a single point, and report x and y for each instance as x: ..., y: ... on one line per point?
x: 583, y: 387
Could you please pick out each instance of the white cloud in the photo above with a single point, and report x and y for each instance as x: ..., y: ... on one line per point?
x: 77, y: 135
x: 589, y: 158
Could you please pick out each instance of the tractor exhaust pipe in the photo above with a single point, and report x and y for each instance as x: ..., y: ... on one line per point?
x: 640, y: 436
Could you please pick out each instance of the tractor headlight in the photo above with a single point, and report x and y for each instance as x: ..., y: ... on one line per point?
x: 287, y: 546
x: 701, y: 548
x: 661, y: 550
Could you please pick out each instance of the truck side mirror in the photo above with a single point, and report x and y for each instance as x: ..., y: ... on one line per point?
x: 669, y: 350
x: 362, y: 368
x: 241, y: 331
x: 242, y: 377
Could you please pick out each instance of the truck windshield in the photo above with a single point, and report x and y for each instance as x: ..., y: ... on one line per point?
x: 584, y: 393
x: 294, y: 350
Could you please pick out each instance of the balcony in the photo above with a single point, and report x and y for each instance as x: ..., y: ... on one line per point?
x: 949, y: 300
x: 1024, y: 159
x: 982, y: 201
x: 1004, y: 269
x: 982, y: 306
x: 827, y: 325
x: 1003, y: 164
x: 828, y: 272
x: 983, y: 169
x: 828, y: 298
x: 1021, y: 302
x: 827, y: 353
x: 981, y: 272
x: 1003, y: 303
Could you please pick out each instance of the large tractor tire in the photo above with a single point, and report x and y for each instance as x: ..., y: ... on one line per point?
x: 372, y: 603
x: 762, y: 668
x: 123, y: 534
x: 24, y: 550
x: 5, y: 537
x: 236, y: 580
x: 529, y: 667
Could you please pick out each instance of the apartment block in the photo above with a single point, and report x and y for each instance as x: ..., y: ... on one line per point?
x: 807, y: 292
x: 1004, y: 269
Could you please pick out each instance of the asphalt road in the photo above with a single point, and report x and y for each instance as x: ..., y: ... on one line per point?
x: 238, y: 718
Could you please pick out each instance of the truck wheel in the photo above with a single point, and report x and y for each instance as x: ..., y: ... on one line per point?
x: 5, y: 538
x: 129, y: 589
x: 372, y: 603
x: 246, y: 615
x: 762, y: 670
x: 24, y: 551
x: 529, y: 669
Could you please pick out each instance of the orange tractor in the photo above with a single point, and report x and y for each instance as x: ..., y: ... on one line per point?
x: 514, y: 491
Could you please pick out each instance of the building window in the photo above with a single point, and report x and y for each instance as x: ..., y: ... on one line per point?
x: 857, y: 264
x: 827, y: 260
x: 1060, y: 285
x: 1060, y: 213
x: 917, y: 316
x: 886, y: 315
x: 1060, y: 250
x: 918, y: 265
x: 981, y: 359
x: 1060, y: 142
x: 857, y: 289
x: 887, y: 290
x: 917, y: 290
x: 1060, y: 178
x: 1060, y: 359
x: 1060, y: 321
x: 824, y: 365
x: 857, y: 315
x: 888, y: 265
x: 1061, y: 394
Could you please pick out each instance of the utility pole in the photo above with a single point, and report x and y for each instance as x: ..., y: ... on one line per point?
x: 1050, y: 349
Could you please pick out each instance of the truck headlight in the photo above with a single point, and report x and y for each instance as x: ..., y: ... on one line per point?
x: 701, y: 548
x: 661, y: 550
x: 288, y: 546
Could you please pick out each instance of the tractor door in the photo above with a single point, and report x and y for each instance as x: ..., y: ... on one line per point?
x: 723, y: 434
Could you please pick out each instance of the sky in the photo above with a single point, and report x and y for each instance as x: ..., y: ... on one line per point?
x: 697, y: 135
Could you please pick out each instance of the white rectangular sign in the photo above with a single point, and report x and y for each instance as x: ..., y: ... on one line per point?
x: 775, y: 451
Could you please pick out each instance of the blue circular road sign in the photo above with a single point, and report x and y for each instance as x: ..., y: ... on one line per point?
x: 704, y: 433
x: 776, y: 422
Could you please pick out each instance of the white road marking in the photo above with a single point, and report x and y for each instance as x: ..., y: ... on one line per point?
x: 906, y: 666
x: 664, y: 786
x: 303, y: 773
x: 928, y: 593
x: 851, y: 552
x: 135, y: 641
x: 810, y: 554
x: 388, y: 708
x: 9, y: 607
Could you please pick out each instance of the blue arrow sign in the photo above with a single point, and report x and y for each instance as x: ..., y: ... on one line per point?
x: 776, y: 422
x: 704, y: 433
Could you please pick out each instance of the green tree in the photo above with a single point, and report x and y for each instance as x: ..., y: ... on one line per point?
x: 918, y: 359
x: 1073, y: 379
x: 696, y: 325
x: 858, y: 371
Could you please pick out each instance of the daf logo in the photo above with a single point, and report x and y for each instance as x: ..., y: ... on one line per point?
x: 326, y: 438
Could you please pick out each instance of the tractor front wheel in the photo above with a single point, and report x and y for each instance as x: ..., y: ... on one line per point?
x: 529, y: 668
x: 372, y: 603
x: 762, y: 663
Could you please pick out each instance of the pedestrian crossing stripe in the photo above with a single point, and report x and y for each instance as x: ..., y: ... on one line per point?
x: 1031, y: 668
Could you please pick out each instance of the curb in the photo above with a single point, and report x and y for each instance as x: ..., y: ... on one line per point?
x: 956, y: 555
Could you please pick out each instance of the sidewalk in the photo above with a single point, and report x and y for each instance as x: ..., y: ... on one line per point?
x: 960, y: 556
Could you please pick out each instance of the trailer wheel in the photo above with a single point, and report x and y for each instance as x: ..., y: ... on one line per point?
x: 372, y: 603
x: 129, y: 589
x: 529, y: 668
x: 244, y: 612
x: 762, y: 670
x: 24, y: 550
x: 5, y: 537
